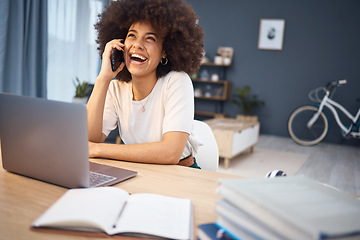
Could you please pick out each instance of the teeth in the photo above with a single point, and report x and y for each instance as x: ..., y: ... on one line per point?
x: 138, y: 56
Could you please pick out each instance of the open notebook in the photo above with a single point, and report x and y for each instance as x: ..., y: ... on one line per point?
x: 47, y: 140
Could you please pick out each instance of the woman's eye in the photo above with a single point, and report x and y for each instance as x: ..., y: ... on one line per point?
x: 131, y: 35
x: 151, y: 39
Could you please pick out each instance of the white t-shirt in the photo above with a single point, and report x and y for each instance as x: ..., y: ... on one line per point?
x: 169, y: 107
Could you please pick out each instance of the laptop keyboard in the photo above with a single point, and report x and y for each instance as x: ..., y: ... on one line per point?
x: 97, y: 179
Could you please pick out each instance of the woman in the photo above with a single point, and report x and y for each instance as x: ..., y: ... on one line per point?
x: 151, y: 99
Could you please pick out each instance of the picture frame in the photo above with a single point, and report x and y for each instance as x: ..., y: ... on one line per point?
x: 271, y: 34
x: 226, y: 54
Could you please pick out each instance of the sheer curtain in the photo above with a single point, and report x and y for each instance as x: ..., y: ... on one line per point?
x: 72, y: 50
x: 23, y: 44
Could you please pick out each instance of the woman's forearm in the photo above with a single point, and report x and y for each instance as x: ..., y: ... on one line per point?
x: 95, y: 110
x: 167, y: 151
x: 96, y: 103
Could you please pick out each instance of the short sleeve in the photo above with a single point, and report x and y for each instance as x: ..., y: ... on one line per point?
x: 179, y: 103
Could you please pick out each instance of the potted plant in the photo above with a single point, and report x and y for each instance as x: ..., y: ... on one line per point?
x: 246, y: 103
x: 218, y: 59
x: 81, y: 89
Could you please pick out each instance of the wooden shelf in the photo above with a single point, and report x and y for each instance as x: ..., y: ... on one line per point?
x: 215, y: 91
x: 214, y: 64
x: 209, y: 81
x: 209, y: 114
x: 225, y: 95
x: 214, y: 98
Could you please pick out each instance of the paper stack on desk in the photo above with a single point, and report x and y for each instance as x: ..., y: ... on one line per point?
x: 286, y: 208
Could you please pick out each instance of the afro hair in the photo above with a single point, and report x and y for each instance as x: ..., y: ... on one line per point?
x: 173, y: 19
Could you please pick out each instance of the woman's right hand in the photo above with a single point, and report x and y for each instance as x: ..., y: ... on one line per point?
x: 95, y: 105
x: 106, y: 72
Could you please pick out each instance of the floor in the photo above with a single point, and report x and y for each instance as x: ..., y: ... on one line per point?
x: 336, y: 165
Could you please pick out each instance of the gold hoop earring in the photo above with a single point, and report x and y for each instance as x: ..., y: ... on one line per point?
x: 166, y: 61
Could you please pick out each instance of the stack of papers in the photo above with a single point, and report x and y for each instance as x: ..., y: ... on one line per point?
x: 286, y: 208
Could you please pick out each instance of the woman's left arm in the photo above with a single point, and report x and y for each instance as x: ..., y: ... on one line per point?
x: 167, y: 151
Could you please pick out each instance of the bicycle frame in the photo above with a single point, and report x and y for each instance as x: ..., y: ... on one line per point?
x: 329, y: 103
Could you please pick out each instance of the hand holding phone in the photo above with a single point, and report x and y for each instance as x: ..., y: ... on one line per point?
x: 117, y: 57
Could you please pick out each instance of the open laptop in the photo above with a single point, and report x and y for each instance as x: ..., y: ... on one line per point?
x: 47, y: 140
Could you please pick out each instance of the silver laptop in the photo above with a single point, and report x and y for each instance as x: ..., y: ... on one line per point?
x: 47, y: 140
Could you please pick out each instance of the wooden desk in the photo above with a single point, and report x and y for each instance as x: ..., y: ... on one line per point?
x: 22, y: 199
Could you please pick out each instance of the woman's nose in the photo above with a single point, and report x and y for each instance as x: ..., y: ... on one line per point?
x: 138, y: 44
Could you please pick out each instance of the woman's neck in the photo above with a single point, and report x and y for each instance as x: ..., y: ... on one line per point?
x: 142, y: 86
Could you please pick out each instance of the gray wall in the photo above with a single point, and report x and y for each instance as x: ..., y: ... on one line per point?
x: 321, y: 44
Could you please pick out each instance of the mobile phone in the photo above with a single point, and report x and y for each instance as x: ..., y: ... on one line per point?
x: 117, y: 57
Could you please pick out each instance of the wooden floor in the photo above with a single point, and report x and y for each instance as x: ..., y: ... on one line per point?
x: 336, y: 165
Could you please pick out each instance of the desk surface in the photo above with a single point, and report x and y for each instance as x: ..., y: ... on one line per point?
x: 22, y: 199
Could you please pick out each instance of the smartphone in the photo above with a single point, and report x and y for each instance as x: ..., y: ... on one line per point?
x: 117, y: 57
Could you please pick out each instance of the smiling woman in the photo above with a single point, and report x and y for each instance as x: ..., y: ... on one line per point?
x: 152, y: 100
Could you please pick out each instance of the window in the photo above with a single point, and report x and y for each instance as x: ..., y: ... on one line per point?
x: 72, y: 50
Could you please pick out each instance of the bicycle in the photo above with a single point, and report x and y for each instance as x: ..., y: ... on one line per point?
x: 308, y: 124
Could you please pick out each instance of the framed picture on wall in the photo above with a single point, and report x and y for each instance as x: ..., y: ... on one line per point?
x: 271, y: 34
x: 225, y: 54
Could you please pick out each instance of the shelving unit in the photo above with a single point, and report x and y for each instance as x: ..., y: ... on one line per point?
x: 215, y: 92
x: 223, y: 84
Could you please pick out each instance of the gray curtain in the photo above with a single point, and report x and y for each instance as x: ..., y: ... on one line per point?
x: 23, y: 47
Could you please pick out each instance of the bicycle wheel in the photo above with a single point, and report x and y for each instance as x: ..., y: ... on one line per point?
x: 298, y: 130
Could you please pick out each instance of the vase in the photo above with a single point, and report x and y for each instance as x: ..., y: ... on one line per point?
x: 218, y: 60
x: 79, y: 100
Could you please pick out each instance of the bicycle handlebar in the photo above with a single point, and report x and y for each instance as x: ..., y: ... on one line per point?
x: 332, y: 85
x: 329, y: 90
x: 336, y: 83
x: 342, y: 82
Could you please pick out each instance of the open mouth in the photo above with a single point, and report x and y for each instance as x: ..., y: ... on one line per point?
x: 137, y: 58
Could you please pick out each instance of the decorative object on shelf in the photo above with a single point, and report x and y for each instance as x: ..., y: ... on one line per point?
x: 227, y: 61
x: 204, y: 75
x: 205, y: 59
x: 81, y: 89
x: 197, y: 92
x: 218, y: 59
x: 226, y: 54
x: 244, y: 101
x: 215, y: 77
x: 208, y: 91
x: 220, y: 92
x: 271, y: 34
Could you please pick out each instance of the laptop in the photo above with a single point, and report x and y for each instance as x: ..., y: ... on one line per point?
x: 47, y: 140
